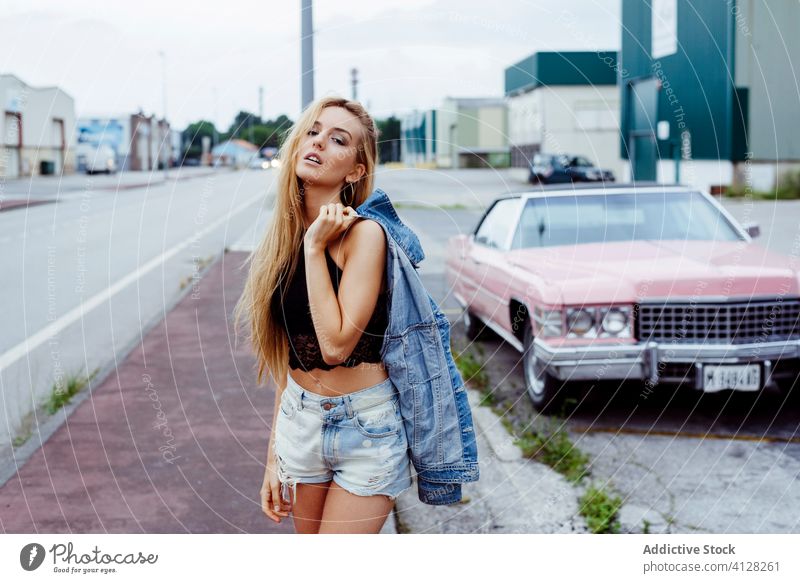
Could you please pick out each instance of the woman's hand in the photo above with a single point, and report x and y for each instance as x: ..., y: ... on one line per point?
x: 332, y: 220
x: 271, y: 502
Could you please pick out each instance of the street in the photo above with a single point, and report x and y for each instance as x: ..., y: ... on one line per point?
x: 98, y: 267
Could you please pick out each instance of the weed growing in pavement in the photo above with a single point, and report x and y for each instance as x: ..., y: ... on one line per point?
x: 62, y: 393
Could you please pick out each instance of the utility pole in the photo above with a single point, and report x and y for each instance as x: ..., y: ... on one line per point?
x: 354, y: 83
x: 306, y: 54
x: 216, y: 132
x: 168, y: 136
x: 261, y: 103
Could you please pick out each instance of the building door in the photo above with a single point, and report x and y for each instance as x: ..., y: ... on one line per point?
x: 643, y: 118
x: 12, y: 140
x: 58, y: 140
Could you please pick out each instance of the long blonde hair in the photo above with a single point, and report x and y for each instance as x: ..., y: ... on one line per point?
x: 277, y: 251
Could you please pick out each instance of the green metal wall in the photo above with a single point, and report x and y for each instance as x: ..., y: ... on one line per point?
x: 563, y: 68
x: 697, y: 92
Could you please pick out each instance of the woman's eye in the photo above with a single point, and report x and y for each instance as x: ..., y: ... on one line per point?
x: 339, y: 141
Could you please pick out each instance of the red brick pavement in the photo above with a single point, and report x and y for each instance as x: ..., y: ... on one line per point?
x: 172, y: 441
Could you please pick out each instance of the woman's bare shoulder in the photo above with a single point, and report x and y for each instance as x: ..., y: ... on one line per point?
x: 362, y: 235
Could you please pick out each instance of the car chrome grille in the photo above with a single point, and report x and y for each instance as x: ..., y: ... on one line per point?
x: 739, y: 322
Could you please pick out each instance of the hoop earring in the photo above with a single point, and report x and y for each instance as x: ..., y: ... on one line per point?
x: 352, y: 194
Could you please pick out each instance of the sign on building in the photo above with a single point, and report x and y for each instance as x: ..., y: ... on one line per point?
x: 664, y: 28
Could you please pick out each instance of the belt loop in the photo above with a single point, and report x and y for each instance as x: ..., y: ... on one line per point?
x: 348, y: 406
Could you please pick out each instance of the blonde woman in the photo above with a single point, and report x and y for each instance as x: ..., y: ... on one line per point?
x: 316, y: 300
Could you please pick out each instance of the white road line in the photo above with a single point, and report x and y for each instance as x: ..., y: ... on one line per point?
x: 77, y: 312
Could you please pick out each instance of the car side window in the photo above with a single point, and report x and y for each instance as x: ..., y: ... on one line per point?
x: 497, y: 224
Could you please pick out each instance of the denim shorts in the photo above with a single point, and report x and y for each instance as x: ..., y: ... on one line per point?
x: 358, y: 440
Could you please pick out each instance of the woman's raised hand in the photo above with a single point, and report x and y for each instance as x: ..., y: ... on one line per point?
x: 333, y: 218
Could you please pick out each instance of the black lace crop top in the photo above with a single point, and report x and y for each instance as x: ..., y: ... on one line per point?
x: 290, y: 308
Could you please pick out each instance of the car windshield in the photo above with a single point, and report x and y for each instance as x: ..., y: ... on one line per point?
x: 598, y: 218
x: 579, y: 161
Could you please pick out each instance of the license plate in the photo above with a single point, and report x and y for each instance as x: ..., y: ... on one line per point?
x: 741, y: 377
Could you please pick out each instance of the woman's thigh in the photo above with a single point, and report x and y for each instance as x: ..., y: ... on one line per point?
x: 348, y: 513
x: 308, y: 508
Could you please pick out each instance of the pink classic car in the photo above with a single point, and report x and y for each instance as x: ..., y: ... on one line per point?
x: 651, y: 282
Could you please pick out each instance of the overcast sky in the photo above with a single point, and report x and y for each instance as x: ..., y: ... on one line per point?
x: 410, y: 53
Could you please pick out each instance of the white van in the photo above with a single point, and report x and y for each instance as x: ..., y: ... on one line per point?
x: 101, y: 159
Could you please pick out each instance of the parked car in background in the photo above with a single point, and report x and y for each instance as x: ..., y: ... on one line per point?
x: 259, y: 163
x: 558, y: 168
x: 650, y: 282
x: 101, y: 158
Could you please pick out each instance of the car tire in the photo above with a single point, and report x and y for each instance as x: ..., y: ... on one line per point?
x: 534, y: 179
x: 545, y: 391
x: 473, y: 327
x: 789, y: 387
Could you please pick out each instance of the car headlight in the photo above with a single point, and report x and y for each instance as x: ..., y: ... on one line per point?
x: 614, y: 320
x: 580, y: 321
x: 599, y: 322
x: 547, y: 323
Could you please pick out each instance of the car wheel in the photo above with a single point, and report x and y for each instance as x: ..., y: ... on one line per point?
x: 544, y: 390
x: 790, y: 387
x: 473, y: 327
x: 534, y: 179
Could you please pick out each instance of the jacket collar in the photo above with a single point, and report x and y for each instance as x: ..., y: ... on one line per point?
x: 377, y: 206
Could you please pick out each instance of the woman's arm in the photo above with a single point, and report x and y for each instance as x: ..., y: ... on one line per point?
x: 340, y: 321
x: 271, y: 503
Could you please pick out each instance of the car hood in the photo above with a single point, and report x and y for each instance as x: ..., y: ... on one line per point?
x: 629, y: 271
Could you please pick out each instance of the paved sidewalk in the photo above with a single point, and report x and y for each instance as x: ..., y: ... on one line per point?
x: 172, y: 441
x: 19, y: 193
x: 513, y: 495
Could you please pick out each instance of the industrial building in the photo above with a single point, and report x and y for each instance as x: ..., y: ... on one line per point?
x: 467, y: 132
x: 564, y: 103
x: 709, y: 91
x: 37, y: 129
x: 139, y: 141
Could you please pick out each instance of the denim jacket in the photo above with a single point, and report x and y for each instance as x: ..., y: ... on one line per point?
x: 417, y: 356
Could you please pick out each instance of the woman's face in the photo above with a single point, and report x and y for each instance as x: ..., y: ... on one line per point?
x: 332, y: 140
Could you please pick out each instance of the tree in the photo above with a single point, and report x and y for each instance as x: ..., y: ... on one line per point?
x: 262, y: 133
x: 389, y: 139
x: 193, y: 138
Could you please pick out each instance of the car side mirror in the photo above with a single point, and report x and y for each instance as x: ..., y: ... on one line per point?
x: 752, y: 229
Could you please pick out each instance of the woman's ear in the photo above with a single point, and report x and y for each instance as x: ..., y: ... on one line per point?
x: 357, y: 173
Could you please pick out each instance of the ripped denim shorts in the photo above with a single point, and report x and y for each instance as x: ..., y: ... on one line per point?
x: 357, y: 440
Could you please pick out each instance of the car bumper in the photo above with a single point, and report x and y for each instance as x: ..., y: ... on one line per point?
x: 661, y: 362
